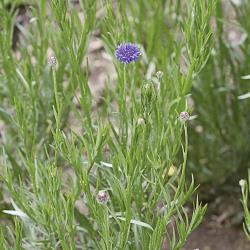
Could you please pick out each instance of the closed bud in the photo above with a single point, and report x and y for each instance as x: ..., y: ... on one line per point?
x: 159, y: 74
x: 52, y: 61
x: 172, y: 170
x: 102, y: 197
x: 149, y: 93
x: 242, y: 183
x: 140, y: 121
x: 184, y: 116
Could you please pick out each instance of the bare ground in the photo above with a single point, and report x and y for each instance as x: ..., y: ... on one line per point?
x: 212, y: 237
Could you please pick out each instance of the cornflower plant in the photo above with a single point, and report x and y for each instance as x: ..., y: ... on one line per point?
x: 119, y: 180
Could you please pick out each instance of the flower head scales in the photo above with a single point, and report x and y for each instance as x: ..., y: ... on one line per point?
x: 52, y: 61
x: 127, y: 52
x: 184, y: 116
x: 102, y: 197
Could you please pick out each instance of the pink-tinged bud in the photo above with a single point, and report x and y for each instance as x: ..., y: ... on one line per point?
x: 102, y: 197
x: 184, y: 116
x: 52, y: 61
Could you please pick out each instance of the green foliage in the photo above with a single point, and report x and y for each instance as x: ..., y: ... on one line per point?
x: 219, y: 138
x: 245, y: 187
x: 126, y: 149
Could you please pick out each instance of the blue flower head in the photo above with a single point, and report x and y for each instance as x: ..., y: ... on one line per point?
x: 127, y: 52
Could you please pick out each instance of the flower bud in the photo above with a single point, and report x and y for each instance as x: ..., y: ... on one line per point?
x: 242, y: 183
x: 52, y: 61
x: 172, y: 170
x: 149, y: 95
x: 140, y: 121
x: 184, y: 116
x: 159, y: 74
x: 102, y: 197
